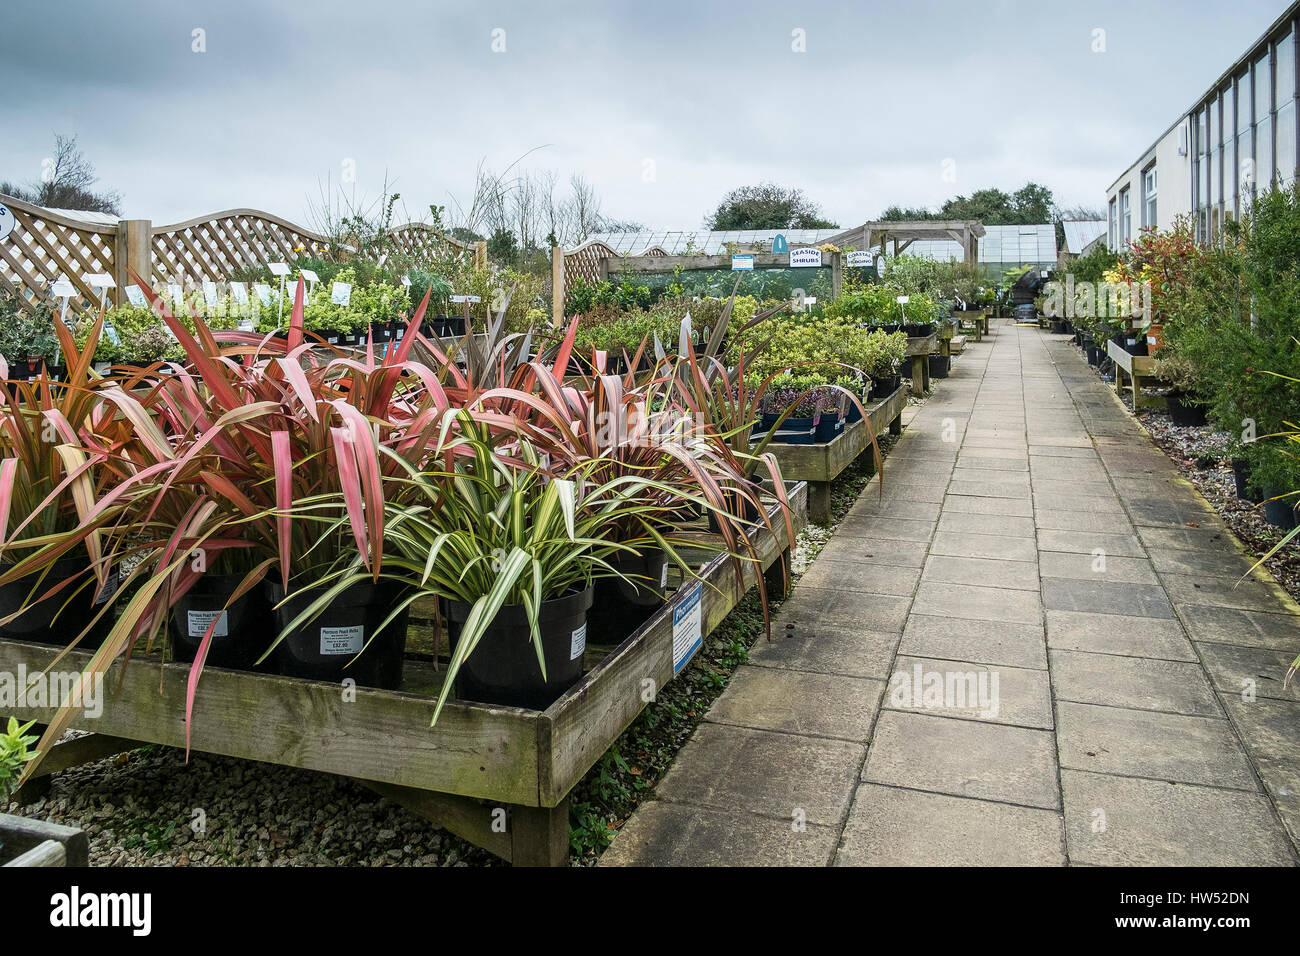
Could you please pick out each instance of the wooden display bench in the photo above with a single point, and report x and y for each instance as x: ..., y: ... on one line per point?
x: 497, y: 776
x: 974, y: 323
x: 919, y: 349
x: 1138, y: 369
x: 821, y: 464
x: 952, y: 346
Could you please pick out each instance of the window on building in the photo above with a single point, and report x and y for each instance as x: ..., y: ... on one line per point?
x: 1285, y: 94
x: 1263, y: 122
x: 1125, y: 216
x: 1229, y: 151
x: 1149, y: 197
x: 1113, y: 224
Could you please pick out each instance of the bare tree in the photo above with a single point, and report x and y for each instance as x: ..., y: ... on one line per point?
x: 66, y: 178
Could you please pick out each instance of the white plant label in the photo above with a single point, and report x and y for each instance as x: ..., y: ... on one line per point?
x: 240, y: 292
x: 111, y: 331
x: 210, y: 293
x: 806, y: 257
x: 578, y: 642
x: 341, y: 293
x: 177, y: 293
x: 246, y: 325
x: 63, y: 289
x: 263, y: 292
x: 663, y: 577
x: 342, y: 640
x: 199, y: 621
x: 278, y: 268
x: 309, y: 276
x: 7, y: 221
x: 688, y: 632
x: 135, y: 295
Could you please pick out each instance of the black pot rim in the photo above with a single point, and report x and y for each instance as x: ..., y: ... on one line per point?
x: 514, y: 614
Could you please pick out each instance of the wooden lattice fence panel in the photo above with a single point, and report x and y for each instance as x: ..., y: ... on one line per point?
x: 212, y: 248
x: 586, y: 261
x: 45, y: 247
x: 423, y: 244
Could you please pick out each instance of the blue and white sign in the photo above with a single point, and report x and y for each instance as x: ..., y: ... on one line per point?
x: 742, y: 263
x: 7, y: 221
x: 779, y: 245
x: 861, y: 260
x: 688, y: 627
x: 805, y: 257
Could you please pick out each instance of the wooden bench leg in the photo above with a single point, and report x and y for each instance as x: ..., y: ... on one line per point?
x: 896, y: 426
x: 539, y: 836
x: 819, y: 502
x: 776, y: 579
x: 925, y: 373
x: 920, y: 371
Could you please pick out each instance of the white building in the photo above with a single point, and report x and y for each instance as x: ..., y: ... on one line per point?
x: 1239, y: 136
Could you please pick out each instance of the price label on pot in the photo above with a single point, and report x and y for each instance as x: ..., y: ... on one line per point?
x: 342, y: 640
x: 806, y: 257
x: 578, y: 642
x: 199, y: 621
x: 688, y: 634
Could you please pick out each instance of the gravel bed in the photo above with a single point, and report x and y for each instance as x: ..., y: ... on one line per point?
x: 1201, y: 455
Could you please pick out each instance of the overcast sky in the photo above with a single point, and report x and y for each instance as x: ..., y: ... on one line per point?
x: 712, y: 94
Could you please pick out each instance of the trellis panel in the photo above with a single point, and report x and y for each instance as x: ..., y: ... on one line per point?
x: 213, y: 248
x: 45, y: 246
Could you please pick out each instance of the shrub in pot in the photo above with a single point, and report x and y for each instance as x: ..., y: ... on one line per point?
x: 58, y: 448
x: 1178, y: 375
x: 513, y: 549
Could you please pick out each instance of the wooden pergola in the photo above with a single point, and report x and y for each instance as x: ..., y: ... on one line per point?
x: 869, y: 235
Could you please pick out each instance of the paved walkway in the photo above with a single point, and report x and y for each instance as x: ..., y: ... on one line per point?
x: 1031, y: 533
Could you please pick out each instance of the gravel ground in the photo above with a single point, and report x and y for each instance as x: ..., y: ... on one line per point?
x: 149, y: 807
x: 1201, y: 455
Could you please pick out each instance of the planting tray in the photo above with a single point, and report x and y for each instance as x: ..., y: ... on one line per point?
x: 478, y: 761
x: 819, y: 465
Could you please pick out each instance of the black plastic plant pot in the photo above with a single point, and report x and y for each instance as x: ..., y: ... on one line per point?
x: 455, y: 324
x: 1241, y: 477
x: 619, y: 607
x: 1135, y: 344
x: 828, y: 428
x: 1185, y: 412
x: 1094, y: 355
x: 50, y: 621
x: 938, y: 366
x: 503, y: 668
x: 1280, y: 513
x: 796, y: 431
x: 381, y: 331
x: 325, y: 648
x: 242, y: 631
